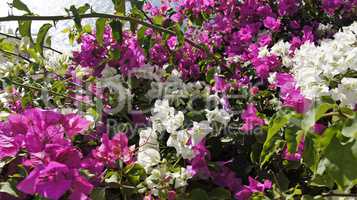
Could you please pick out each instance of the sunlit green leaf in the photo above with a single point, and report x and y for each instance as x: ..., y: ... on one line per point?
x: 100, y: 26
x: 41, y: 37
x: 119, y: 6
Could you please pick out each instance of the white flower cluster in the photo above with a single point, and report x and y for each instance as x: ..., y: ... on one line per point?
x: 165, y: 118
x: 315, y: 66
x: 161, y: 178
x: 174, y: 88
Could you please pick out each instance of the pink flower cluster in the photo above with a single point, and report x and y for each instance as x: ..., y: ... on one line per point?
x: 93, y: 55
x: 54, y: 163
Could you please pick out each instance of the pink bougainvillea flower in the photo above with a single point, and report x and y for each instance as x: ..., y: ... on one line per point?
x: 225, y: 177
x: 296, y: 156
x: 290, y: 94
x: 254, y: 186
x: 250, y: 118
x: 10, y: 143
x: 53, y: 180
x: 220, y: 84
x: 171, y: 195
x: 272, y: 23
x: 287, y: 7
x: 112, y: 150
x: 74, y: 124
x: 330, y: 6
x: 50, y: 181
x: 172, y: 42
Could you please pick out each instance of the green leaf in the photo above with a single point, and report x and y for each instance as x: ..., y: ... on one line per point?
x: 179, y: 34
x: 310, y: 154
x: 198, y: 194
x: 158, y: 20
x: 41, y: 37
x: 77, y: 19
x: 325, y: 139
x: 210, y: 75
x: 291, y: 134
x: 48, y: 41
x: 100, y: 26
x: 6, y: 187
x: 141, y: 34
x: 117, y: 30
x: 342, y: 162
x: 315, y: 114
x: 25, y: 29
x: 219, y: 194
x: 113, y: 178
x: 350, y: 131
x: 83, y: 9
x: 98, y: 194
x: 135, y: 13
x: 135, y: 173
x: 275, y: 125
x: 119, y: 6
x: 137, y: 4
x: 18, y: 4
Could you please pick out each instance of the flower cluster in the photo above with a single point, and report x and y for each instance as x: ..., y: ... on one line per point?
x: 314, y: 67
x: 211, y: 99
x: 52, y: 160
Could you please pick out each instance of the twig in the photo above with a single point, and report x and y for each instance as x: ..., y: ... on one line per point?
x: 97, y: 15
x: 42, y: 89
x: 332, y: 194
x: 18, y: 38
x: 16, y: 55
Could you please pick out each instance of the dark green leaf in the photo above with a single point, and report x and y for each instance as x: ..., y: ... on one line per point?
x: 117, y: 30
x: 83, y: 9
x: 219, y: 194
x: 18, y: 4
x: 77, y: 19
x: 179, y: 34
x: 137, y: 3
x: 342, y: 162
x: 310, y: 154
x: 275, y: 125
x: 198, y: 194
x: 41, y: 37
x: 100, y: 26
x: 210, y: 75
x: 98, y: 194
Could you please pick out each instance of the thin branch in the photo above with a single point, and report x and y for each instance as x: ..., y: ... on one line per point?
x: 97, y: 15
x: 332, y: 194
x: 18, y: 38
x: 54, y: 73
x: 43, y: 89
x: 16, y: 55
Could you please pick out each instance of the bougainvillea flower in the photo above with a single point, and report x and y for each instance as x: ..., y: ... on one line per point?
x: 250, y: 118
